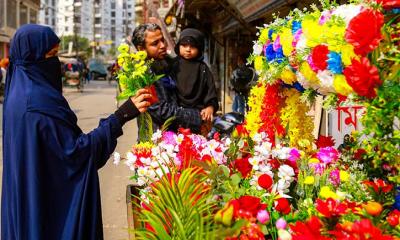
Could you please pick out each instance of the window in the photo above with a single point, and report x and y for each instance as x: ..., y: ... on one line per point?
x: 112, y: 21
x: 23, y: 14
x: 66, y: 29
x: 112, y: 14
x: 32, y: 16
x: 129, y: 14
x: 113, y: 5
x: 1, y: 14
x: 129, y: 6
x: 12, y: 13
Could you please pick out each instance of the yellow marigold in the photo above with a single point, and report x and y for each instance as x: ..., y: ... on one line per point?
x: 142, y: 55
x: 326, y: 192
x: 309, y: 180
x: 344, y: 176
x: 263, y: 38
x: 259, y: 62
x: 255, y: 103
x: 288, y: 76
x: 286, y: 41
x: 309, y: 74
x: 341, y: 86
x: 123, y: 55
x: 313, y: 32
x: 347, y: 53
x: 123, y: 48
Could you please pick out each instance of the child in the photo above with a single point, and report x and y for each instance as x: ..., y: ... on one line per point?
x: 195, y: 84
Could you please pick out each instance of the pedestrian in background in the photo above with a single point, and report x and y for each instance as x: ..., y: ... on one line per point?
x: 50, y: 180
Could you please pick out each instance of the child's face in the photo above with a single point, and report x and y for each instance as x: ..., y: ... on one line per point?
x: 188, y: 51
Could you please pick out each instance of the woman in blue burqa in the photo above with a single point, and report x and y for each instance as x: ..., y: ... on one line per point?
x: 50, y: 180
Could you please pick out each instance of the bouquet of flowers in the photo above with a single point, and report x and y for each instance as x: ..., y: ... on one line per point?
x: 135, y: 73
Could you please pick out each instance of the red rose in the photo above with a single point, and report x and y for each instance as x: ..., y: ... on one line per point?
x: 282, y: 205
x: 319, y: 56
x: 389, y: 4
x: 243, y: 166
x: 363, y: 77
x: 364, y: 31
x: 265, y: 181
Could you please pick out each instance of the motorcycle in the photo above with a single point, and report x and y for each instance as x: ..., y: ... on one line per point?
x: 225, y: 124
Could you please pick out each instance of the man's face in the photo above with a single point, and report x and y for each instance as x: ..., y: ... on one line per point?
x: 155, y: 45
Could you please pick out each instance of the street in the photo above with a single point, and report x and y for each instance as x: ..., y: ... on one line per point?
x: 98, y: 101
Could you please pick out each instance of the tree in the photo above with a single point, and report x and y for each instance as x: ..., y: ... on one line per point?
x: 83, y: 43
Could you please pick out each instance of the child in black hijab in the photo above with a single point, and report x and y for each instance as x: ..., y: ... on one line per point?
x: 196, y: 88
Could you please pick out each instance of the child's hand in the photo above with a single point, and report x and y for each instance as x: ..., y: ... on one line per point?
x: 207, y: 113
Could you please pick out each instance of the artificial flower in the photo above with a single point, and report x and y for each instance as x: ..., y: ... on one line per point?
x: 253, y: 120
x: 282, y: 205
x: 324, y: 141
x: 264, y: 36
x: 389, y: 4
x: 312, y: 31
x: 335, y: 62
x: 334, y: 177
x: 309, y: 180
x: 362, y: 229
x: 288, y: 76
x: 265, y: 181
x: 347, y: 12
x: 311, y: 230
x: 341, y: 86
x: 243, y: 166
x: 373, y: 208
x: 364, y: 31
x: 344, y: 176
x: 273, y: 55
x: 347, y: 54
x: 326, y: 78
x: 251, y: 204
x: 328, y: 155
x: 310, y: 77
x: 327, y: 193
x: 319, y: 56
x: 281, y: 223
x: 331, y: 208
x: 286, y: 40
x: 379, y: 186
x: 263, y: 216
x: 363, y: 77
x: 393, y: 218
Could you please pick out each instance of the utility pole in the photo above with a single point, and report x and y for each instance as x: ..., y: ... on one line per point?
x: 94, y: 29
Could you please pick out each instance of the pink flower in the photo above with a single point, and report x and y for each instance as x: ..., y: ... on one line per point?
x: 294, y: 155
x: 328, y: 155
x: 281, y: 223
x: 334, y: 177
x: 263, y: 216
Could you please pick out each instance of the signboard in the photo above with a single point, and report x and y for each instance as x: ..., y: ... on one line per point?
x: 249, y: 7
x: 344, y: 120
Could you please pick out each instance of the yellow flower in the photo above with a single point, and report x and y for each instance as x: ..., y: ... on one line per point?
x: 313, y: 160
x: 309, y: 74
x: 123, y: 48
x: 263, y: 38
x: 326, y: 192
x: 347, y: 52
x: 142, y: 55
x: 335, y: 37
x: 286, y: 41
x: 288, y: 76
x: 259, y: 63
x: 121, y: 61
x: 341, y: 86
x: 344, y: 176
x: 309, y: 180
x: 139, y: 64
x: 253, y: 116
x: 123, y: 55
x: 134, y: 56
x: 313, y: 32
x: 126, y: 66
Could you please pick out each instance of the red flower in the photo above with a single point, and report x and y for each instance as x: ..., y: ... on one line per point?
x: 331, y: 208
x: 243, y: 166
x: 359, y: 154
x: 282, y: 205
x: 389, y: 4
x: 363, y: 77
x: 394, y: 218
x: 251, y: 204
x: 319, y: 56
x: 241, y: 130
x: 362, y: 230
x: 325, y: 141
x: 310, y: 230
x: 275, y: 164
x: 364, y: 31
x: 378, y: 185
x: 265, y: 181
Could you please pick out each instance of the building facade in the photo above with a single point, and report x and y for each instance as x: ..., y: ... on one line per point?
x: 14, y: 13
x: 48, y: 13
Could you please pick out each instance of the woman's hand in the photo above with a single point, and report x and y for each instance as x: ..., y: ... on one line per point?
x: 140, y: 100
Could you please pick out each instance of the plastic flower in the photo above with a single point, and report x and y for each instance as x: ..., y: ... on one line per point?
x: 309, y: 75
x: 259, y: 63
x: 264, y: 36
x: 311, y: 229
x: 347, y: 54
x: 364, y: 31
x: 287, y: 76
x: 363, y: 77
x: 389, y: 4
x: 319, y: 56
x: 326, y: 82
x: 274, y: 55
x: 335, y: 62
x: 328, y: 155
x: 263, y: 216
x: 309, y: 180
x: 296, y: 26
x: 362, y: 229
x: 325, y: 141
x: 282, y: 205
x: 341, y: 86
x: 331, y: 208
x: 265, y: 181
x: 326, y: 193
x: 280, y: 223
x: 347, y: 12
x: 334, y: 177
x: 243, y: 166
x: 286, y: 173
x: 286, y: 40
x: 312, y: 31
x: 344, y: 176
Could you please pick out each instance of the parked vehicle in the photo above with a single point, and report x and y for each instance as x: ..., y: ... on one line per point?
x: 72, y: 73
x: 97, y: 69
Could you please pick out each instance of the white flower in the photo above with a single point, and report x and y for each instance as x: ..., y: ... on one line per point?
x: 326, y: 80
x: 264, y: 149
x: 301, y: 44
x: 286, y: 173
x: 281, y: 152
x: 142, y: 171
x: 347, y: 12
x: 156, y: 136
x: 146, y: 161
x: 131, y: 158
x: 141, y: 181
x: 117, y: 158
x: 257, y: 49
x: 154, y: 164
x: 267, y: 169
x: 254, y: 162
x: 284, y: 234
x: 282, y: 186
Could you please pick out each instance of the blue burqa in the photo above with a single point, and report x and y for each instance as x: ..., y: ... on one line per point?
x: 50, y: 180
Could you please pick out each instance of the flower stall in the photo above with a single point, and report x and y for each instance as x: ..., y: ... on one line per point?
x: 271, y: 179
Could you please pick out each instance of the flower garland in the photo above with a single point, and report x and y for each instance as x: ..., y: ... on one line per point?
x: 253, y: 121
x: 270, y: 114
x: 294, y: 117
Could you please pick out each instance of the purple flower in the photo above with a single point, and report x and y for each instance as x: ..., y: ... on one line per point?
x: 277, y: 43
x: 319, y: 168
x: 169, y: 137
x: 328, y: 155
x: 334, y: 177
x: 296, y: 37
x: 294, y: 155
